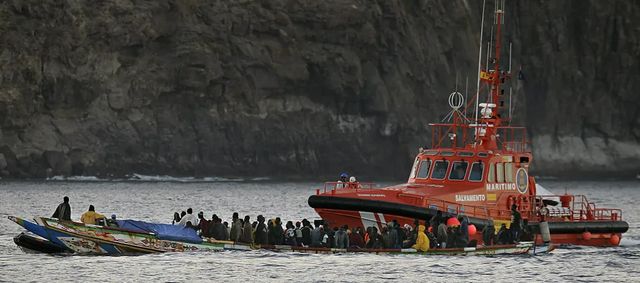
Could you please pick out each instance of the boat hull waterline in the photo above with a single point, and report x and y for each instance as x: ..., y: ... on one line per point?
x: 98, y: 240
x: 562, y: 233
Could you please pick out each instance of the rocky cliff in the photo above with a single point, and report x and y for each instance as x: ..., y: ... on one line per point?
x: 301, y: 87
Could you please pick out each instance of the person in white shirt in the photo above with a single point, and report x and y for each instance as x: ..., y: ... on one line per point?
x: 189, y: 218
x: 342, y: 182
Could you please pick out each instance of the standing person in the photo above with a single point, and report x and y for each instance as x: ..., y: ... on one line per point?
x: 394, y: 236
x: 247, y: 231
x: 435, y: 220
x: 442, y: 235
x: 298, y: 232
x: 278, y: 232
x: 63, y: 212
x: 236, y: 228
x: 355, y: 239
x: 342, y: 182
x: 189, y: 220
x: 306, y: 233
x: 91, y: 216
x: 217, y: 230
x: 261, y: 236
x: 270, y: 232
x: 341, y: 238
x: 488, y: 233
x: 203, y: 225
x: 516, y: 218
x: 464, y: 227
x: 176, y: 218
x: 316, y: 236
x: 290, y: 234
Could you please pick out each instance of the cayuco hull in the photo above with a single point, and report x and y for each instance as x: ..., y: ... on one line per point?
x: 98, y: 240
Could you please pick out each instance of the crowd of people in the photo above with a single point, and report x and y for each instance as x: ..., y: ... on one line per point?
x: 438, y: 232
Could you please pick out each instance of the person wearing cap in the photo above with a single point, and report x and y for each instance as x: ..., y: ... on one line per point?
x: 353, y: 183
x: 91, y: 216
x: 342, y: 182
x: 111, y: 222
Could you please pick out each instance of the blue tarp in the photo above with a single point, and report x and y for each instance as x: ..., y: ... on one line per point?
x: 162, y: 231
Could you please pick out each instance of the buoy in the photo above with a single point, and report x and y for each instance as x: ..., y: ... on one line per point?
x: 472, y: 229
x: 453, y: 222
x: 615, y: 240
x: 586, y: 235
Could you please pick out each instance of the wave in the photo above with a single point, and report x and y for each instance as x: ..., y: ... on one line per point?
x: 155, y: 178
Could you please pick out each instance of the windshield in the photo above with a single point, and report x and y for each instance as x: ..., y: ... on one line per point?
x: 440, y: 169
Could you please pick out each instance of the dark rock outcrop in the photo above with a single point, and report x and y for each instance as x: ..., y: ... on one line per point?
x: 298, y: 87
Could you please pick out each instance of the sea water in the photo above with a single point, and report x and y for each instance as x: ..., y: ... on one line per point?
x: 157, y: 201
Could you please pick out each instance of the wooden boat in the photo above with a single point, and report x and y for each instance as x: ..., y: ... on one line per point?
x: 92, y: 239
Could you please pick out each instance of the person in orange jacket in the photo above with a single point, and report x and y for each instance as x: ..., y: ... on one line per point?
x: 422, y: 241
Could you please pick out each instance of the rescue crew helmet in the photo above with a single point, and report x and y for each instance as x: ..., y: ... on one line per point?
x: 344, y: 175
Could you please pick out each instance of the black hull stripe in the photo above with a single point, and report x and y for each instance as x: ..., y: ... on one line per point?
x: 410, y: 211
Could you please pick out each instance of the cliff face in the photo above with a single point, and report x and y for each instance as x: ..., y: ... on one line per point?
x: 300, y: 87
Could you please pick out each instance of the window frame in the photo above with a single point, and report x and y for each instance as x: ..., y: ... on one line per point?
x: 414, y: 169
x: 481, y: 173
x: 491, y: 173
x: 509, y: 172
x: 499, y: 172
x: 465, y: 170
x: 446, y: 170
x: 420, y: 168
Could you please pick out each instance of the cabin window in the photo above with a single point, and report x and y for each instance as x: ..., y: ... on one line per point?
x: 465, y: 153
x: 491, y: 177
x: 440, y: 169
x: 423, y: 171
x: 430, y: 152
x: 508, y: 172
x: 477, y: 168
x: 458, y: 170
x: 446, y: 153
x: 499, y: 173
x: 414, y: 168
x: 482, y: 154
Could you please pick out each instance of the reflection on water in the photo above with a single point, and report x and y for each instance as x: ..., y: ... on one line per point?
x: 157, y: 202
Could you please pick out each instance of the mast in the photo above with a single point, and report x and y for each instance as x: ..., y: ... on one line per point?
x: 479, y: 64
x: 486, y: 127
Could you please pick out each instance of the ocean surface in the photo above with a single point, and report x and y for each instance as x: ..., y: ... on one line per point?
x: 157, y: 199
